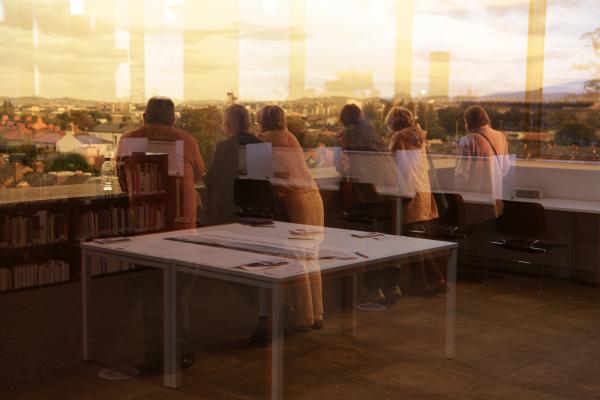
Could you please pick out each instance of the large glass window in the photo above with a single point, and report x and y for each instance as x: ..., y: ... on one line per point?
x: 299, y: 199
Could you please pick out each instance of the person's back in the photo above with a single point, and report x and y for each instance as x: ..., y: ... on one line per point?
x: 182, y: 199
x: 221, y: 176
x: 483, y: 159
x: 408, y: 145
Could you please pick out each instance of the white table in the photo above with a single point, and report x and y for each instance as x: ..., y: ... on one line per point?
x: 158, y: 251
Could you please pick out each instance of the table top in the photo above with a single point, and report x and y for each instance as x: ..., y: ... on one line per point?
x: 229, y: 249
x: 551, y: 204
x: 13, y: 196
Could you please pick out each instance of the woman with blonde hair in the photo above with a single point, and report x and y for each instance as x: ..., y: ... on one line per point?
x: 408, y: 142
x: 301, y: 198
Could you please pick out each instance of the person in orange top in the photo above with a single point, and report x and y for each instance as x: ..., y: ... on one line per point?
x: 300, y: 195
x: 181, y: 206
x: 182, y: 198
x: 408, y: 142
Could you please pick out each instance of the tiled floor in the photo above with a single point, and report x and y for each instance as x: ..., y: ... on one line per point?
x: 511, y: 344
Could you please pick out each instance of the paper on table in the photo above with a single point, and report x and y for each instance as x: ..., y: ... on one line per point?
x: 285, y: 270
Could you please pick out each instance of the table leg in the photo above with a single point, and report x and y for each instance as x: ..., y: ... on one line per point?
x: 86, y: 272
x: 349, y: 293
x: 263, y: 303
x: 172, y: 376
x: 451, y: 306
x: 277, y: 318
x: 398, y: 210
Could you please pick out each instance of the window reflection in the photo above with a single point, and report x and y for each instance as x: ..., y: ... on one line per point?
x: 299, y: 199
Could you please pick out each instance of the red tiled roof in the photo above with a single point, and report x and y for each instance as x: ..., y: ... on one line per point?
x: 46, y: 137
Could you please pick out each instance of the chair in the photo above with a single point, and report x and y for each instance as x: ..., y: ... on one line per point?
x: 450, y: 225
x: 522, y: 228
x: 361, y: 204
x: 256, y: 199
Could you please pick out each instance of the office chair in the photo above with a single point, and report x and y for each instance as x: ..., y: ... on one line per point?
x: 256, y: 200
x: 522, y: 228
x: 361, y: 204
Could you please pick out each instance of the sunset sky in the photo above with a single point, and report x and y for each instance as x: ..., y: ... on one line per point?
x: 200, y: 49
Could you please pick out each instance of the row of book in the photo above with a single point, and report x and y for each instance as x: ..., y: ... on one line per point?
x: 145, y: 178
x: 102, y: 266
x: 26, y: 230
x: 117, y: 221
x: 33, y: 274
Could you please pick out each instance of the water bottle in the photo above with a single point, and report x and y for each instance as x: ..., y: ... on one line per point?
x: 107, y: 173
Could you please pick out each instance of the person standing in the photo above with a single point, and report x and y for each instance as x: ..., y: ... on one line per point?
x: 220, y: 178
x: 483, y: 160
x: 180, y: 208
x: 304, y: 205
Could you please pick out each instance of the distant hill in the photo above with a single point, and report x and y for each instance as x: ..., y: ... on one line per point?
x: 551, y: 93
x: 30, y: 100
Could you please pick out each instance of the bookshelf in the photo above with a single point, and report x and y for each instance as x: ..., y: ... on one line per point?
x: 41, y: 229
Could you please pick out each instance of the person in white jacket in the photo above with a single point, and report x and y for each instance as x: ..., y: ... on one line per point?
x: 483, y: 159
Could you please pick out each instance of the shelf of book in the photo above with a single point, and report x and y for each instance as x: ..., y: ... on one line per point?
x: 41, y: 228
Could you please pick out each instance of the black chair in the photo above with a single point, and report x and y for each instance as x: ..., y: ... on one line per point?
x: 522, y: 228
x: 450, y: 225
x: 361, y: 204
x: 255, y: 199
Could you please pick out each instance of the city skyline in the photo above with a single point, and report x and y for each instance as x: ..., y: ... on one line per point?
x: 205, y: 57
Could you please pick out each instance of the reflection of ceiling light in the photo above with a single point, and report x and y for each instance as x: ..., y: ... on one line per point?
x: 77, y: 7
x: 1, y: 11
x: 269, y: 7
x: 423, y: 92
x: 172, y: 11
x: 35, y: 33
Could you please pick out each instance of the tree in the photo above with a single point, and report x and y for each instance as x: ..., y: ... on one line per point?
x: 82, y: 119
x: 70, y: 162
x: 371, y: 112
x: 594, y: 119
x: 298, y: 127
x: 25, y: 153
x: 450, y: 119
x: 575, y: 133
x: 63, y: 120
x: 206, y: 126
x: 592, y: 86
x: 7, y: 109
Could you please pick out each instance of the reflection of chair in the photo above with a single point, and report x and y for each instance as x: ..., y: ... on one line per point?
x: 255, y: 198
x: 450, y: 225
x: 522, y: 228
x: 361, y: 204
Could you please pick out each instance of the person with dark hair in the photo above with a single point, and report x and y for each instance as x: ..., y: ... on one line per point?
x: 182, y: 198
x: 483, y: 159
x: 351, y: 114
x: 221, y: 176
x: 180, y: 208
x: 304, y: 205
x: 357, y: 133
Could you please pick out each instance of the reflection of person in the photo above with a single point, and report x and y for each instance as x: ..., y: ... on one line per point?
x: 408, y: 141
x: 303, y: 203
x: 180, y: 213
x: 482, y: 157
x: 37, y: 177
x: 182, y: 198
x: 357, y: 134
x: 220, y: 178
